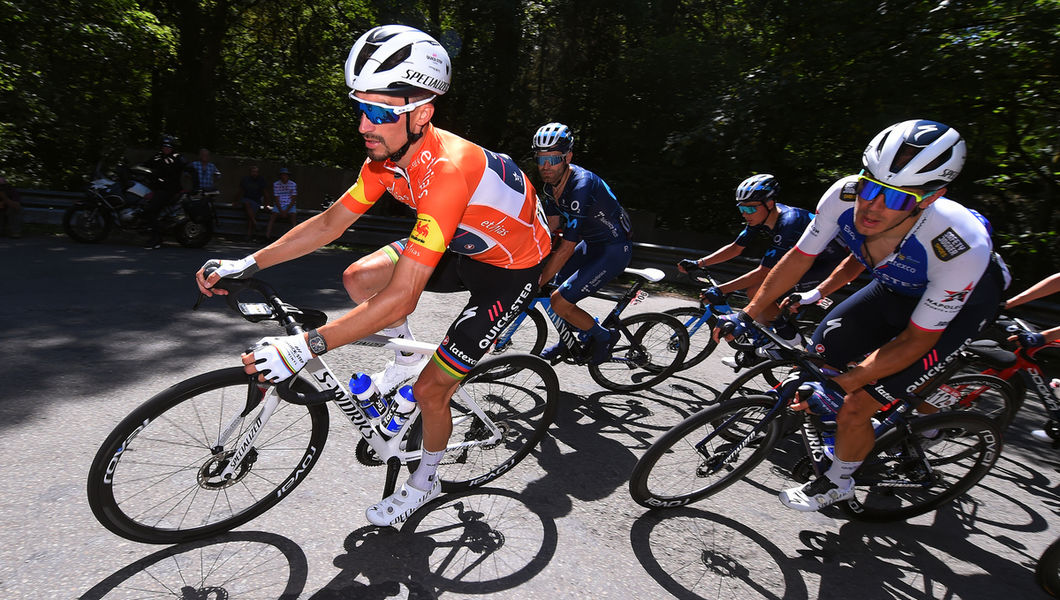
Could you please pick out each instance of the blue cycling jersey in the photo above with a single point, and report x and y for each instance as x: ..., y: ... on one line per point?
x: 791, y: 222
x: 940, y: 260
x: 589, y: 209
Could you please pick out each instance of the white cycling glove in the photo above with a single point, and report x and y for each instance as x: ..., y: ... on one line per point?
x: 279, y: 358
x: 804, y: 298
x: 232, y: 269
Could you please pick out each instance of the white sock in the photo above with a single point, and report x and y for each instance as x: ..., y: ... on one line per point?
x: 840, y: 473
x: 402, y: 331
x: 423, y: 477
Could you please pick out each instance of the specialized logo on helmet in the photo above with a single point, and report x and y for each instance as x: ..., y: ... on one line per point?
x: 923, y: 129
x: 426, y: 81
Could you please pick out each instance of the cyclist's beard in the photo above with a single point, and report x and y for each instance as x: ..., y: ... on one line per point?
x: 384, y: 153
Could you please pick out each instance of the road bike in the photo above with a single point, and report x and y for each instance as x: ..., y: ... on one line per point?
x: 984, y: 392
x: 917, y: 463
x: 1020, y: 368
x: 650, y: 348
x: 216, y: 450
x: 701, y: 320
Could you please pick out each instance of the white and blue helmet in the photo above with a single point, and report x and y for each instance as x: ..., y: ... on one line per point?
x: 916, y: 153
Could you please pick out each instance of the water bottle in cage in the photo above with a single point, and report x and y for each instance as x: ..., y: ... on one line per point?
x: 400, y: 411
x: 367, y: 394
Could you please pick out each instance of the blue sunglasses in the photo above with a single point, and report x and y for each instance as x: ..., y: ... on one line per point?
x: 551, y: 159
x: 381, y: 114
x: 747, y: 210
x: 893, y: 198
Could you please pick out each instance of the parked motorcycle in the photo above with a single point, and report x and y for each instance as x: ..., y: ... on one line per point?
x: 118, y: 199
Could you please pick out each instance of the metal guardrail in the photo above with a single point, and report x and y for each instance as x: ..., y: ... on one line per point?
x: 47, y: 207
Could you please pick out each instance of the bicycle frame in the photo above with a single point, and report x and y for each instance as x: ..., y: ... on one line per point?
x: 1031, y: 374
x: 324, y: 381
x: 568, y: 335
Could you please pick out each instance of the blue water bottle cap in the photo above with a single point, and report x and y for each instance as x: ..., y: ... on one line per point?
x: 406, y: 393
x: 360, y: 383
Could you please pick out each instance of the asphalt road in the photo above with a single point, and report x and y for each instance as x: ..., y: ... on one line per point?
x: 89, y: 332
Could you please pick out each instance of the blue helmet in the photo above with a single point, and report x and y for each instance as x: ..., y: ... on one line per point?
x: 757, y: 188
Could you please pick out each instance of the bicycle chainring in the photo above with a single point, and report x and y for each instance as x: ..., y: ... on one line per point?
x: 366, y: 455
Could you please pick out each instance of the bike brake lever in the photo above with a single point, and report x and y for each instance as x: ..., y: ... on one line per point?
x: 198, y: 302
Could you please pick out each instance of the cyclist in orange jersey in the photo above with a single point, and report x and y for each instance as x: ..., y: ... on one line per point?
x: 478, y: 227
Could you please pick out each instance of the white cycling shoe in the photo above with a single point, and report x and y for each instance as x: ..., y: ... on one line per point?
x: 396, y: 508
x: 815, y: 495
x: 394, y: 375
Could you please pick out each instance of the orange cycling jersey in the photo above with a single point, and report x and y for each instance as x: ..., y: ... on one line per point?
x: 467, y: 199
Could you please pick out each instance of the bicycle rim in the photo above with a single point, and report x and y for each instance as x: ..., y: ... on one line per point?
x: 656, y: 349
x: 518, y: 394
x: 985, y: 394
x: 706, y: 452
x: 894, y: 484
x: 701, y: 341
x: 156, y: 477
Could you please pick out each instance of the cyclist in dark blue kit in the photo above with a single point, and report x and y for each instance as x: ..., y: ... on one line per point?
x: 596, y: 245
x: 756, y: 199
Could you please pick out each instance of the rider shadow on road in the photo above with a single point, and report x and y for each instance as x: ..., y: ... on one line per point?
x: 232, y: 565
x: 477, y: 542
x: 693, y: 553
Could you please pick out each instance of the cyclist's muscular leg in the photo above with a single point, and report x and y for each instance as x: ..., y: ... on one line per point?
x: 571, y: 313
x: 854, y: 435
x: 432, y: 391
x: 366, y: 277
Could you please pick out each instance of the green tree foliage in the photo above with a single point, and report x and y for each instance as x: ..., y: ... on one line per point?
x: 673, y: 101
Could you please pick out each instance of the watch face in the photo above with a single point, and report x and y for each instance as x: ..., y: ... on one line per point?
x: 317, y: 344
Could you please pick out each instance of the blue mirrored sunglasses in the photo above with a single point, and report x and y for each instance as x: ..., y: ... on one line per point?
x: 380, y: 114
x: 748, y: 209
x: 551, y: 159
x: 893, y: 198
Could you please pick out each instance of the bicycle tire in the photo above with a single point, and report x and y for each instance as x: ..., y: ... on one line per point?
x: 703, y: 335
x: 529, y: 337
x: 985, y: 394
x: 1047, y: 571
x: 758, y: 379
x: 157, y: 468
x: 657, y: 349
x: 891, y: 484
x: 519, y: 393
x: 672, y: 472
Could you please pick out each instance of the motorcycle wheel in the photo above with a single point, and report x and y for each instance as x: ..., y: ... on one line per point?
x: 85, y: 224
x: 194, y: 235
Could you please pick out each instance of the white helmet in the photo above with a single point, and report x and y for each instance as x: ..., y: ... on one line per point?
x: 917, y: 153
x: 395, y: 59
x: 553, y: 137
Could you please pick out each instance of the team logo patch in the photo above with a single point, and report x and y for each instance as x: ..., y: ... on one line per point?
x: 819, y: 348
x: 427, y: 233
x: 948, y: 245
x: 957, y: 295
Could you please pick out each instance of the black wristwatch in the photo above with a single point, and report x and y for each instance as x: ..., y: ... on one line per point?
x: 316, y: 342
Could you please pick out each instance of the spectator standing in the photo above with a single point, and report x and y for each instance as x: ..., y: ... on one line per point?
x: 285, y: 197
x: 10, y: 209
x: 251, y: 195
x: 167, y: 167
x: 206, y: 173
